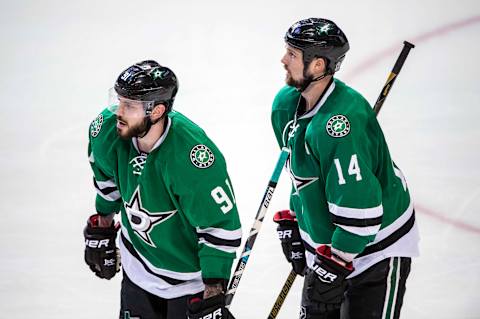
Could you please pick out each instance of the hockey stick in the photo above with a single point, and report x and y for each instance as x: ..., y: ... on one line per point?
x: 283, y: 294
x: 407, y: 46
x: 262, y: 210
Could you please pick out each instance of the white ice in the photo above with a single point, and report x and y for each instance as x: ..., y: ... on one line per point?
x: 58, y: 59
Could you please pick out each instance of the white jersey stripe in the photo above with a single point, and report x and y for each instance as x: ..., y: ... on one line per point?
x: 157, y: 270
x: 153, y: 284
x: 91, y: 159
x: 390, y: 229
x: 358, y: 213
x: 106, y: 184
x: 111, y: 197
x: 306, y: 237
x: 361, y: 231
x: 221, y: 233
x: 227, y: 249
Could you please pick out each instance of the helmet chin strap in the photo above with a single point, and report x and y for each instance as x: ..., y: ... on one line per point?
x: 149, y: 123
x: 308, y: 78
x: 148, y: 126
x: 311, y: 79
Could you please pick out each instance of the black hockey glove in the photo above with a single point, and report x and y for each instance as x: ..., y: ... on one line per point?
x: 101, y: 252
x: 292, y: 243
x: 325, y: 284
x: 213, y: 307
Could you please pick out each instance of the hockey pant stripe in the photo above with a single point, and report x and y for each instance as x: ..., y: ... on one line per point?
x: 392, y: 288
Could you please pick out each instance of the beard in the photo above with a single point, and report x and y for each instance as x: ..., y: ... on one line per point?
x: 129, y: 131
x: 296, y: 83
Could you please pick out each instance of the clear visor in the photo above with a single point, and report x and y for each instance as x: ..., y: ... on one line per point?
x: 123, y: 106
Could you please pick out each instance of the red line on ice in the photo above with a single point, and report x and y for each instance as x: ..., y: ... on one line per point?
x: 446, y: 220
x: 440, y: 31
x: 393, y: 50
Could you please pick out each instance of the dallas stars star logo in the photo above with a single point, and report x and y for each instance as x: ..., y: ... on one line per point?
x: 157, y: 73
x: 299, y: 182
x: 141, y: 220
x: 324, y: 29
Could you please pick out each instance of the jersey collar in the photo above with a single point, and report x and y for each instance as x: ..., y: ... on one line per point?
x: 158, y: 142
x: 317, y: 107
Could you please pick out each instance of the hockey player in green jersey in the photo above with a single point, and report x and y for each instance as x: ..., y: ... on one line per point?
x: 179, y: 223
x: 350, y: 229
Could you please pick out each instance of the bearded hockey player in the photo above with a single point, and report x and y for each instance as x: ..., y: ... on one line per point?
x: 169, y: 182
x: 350, y: 229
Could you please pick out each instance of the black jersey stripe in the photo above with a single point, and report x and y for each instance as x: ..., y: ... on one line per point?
x: 128, y: 245
x: 105, y: 191
x: 309, y: 248
x: 219, y: 241
x: 356, y: 222
x: 390, y: 239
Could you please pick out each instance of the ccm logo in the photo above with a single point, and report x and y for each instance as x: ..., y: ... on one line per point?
x: 324, y: 275
x: 216, y: 314
x: 97, y: 243
x: 282, y: 234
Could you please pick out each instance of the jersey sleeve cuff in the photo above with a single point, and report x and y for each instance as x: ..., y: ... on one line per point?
x: 105, y: 207
x: 216, y: 267
x: 348, y: 242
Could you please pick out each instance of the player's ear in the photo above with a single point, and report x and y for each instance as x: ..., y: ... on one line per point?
x: 319, y: 65
x: 158, y: 112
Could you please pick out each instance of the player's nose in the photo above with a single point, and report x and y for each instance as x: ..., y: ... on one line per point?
x: 283, y: 60
x: 120, y: 110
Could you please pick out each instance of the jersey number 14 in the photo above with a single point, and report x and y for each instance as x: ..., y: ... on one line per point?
x: 354, y: 169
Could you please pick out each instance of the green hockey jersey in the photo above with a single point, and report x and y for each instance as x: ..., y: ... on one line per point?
x: 178, y: 213
x: 347, y: 192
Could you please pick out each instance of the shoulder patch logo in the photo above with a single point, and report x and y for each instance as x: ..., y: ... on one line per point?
x: 201, y: 156
x: 96, y: 126
x: 338, y: 126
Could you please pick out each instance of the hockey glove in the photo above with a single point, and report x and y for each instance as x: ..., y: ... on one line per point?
x: 101, y: 252
x: 325, y: 283
x: 213, y: 307
x: 292, y: 243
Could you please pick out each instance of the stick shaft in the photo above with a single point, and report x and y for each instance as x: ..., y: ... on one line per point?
x: 262, y: 210
x: 283, y: 294
x: 407, y: 46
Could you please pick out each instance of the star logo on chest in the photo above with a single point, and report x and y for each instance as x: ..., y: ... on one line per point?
x: 141, y: 220
x: 299, y: 182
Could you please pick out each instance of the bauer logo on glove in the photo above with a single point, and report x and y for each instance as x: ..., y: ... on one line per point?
x: 324, y: 275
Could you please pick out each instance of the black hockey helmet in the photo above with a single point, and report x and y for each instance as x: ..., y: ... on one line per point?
x: 319, y: 38
x: 148, y: 81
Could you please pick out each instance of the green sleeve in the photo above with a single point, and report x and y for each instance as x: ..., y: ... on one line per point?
x: 353, y: 192
x: 206, y: 197
x: 108, y: 198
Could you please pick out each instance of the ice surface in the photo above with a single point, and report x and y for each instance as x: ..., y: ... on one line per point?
x: 59, y: 58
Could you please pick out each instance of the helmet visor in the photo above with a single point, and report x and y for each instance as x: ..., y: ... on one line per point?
x: 120, y: 105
